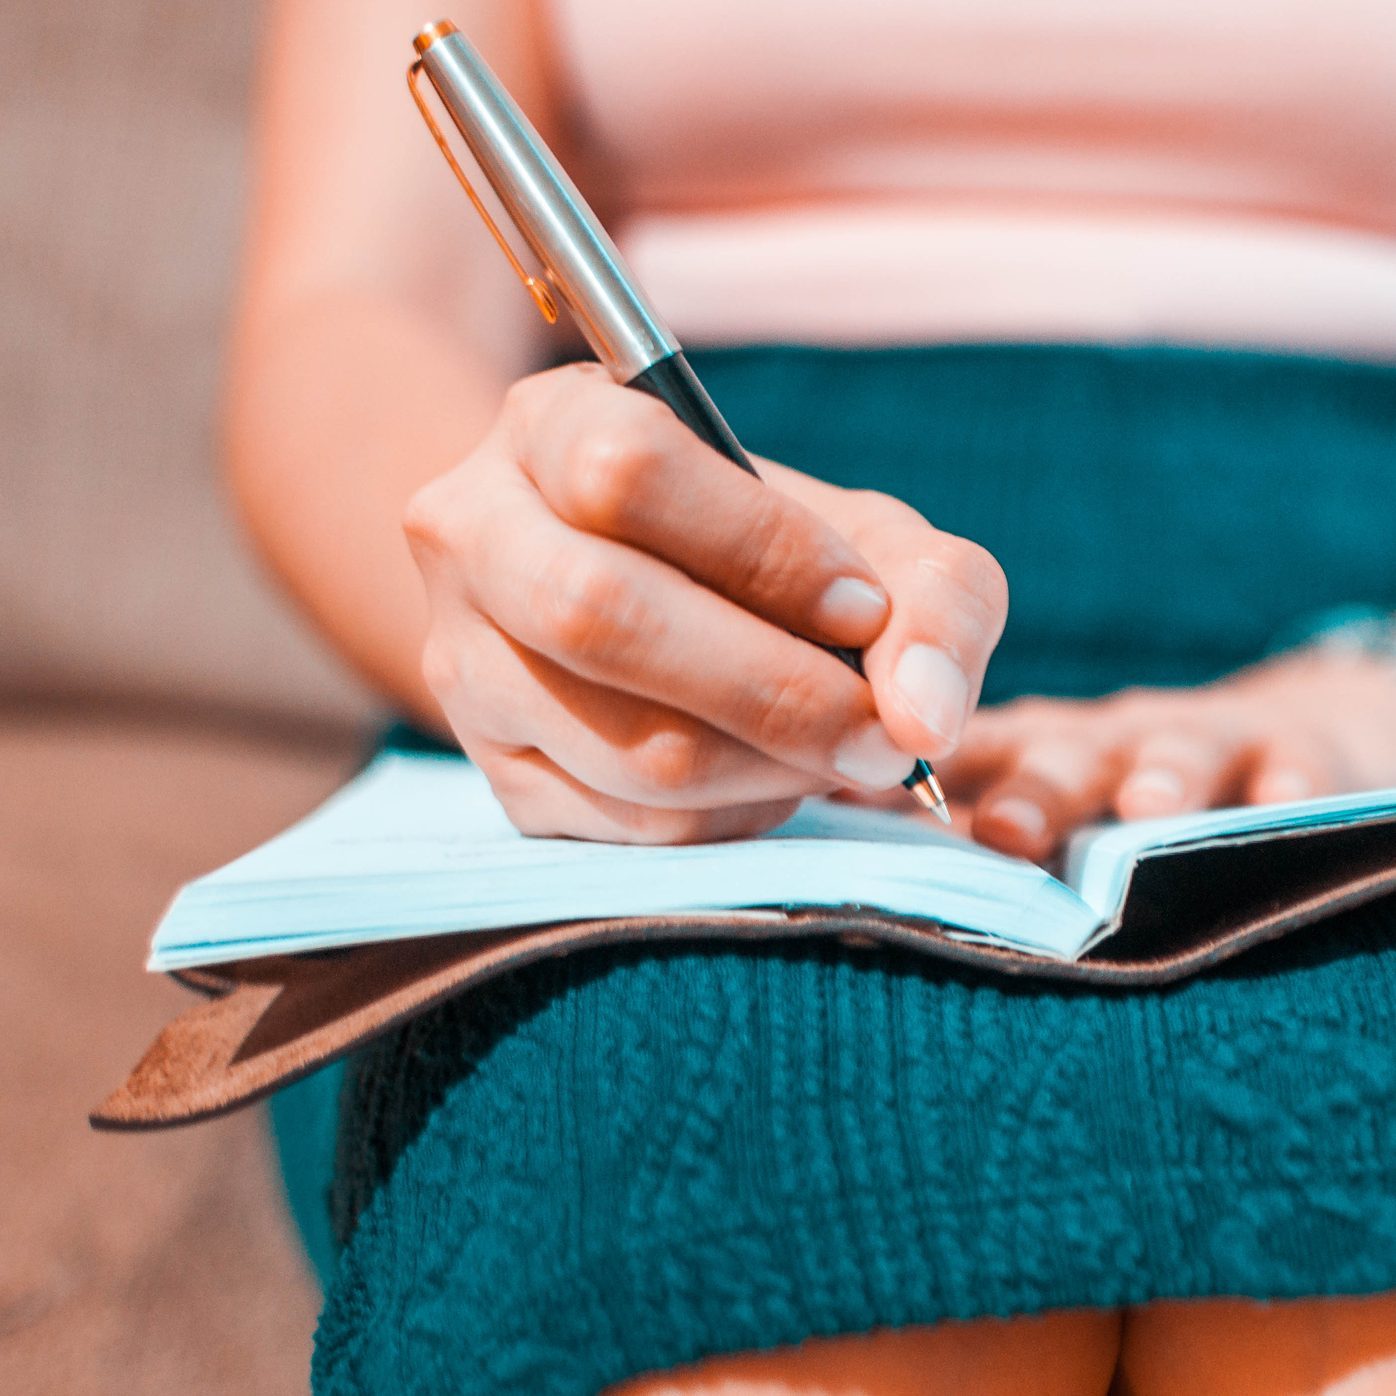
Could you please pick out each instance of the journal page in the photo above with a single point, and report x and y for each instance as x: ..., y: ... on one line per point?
x: 418, y: 845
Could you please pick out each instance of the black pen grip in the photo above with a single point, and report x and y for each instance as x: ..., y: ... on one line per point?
x: 673, y: 382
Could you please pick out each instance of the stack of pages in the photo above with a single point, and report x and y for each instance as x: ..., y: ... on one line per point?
x: 417, y: 846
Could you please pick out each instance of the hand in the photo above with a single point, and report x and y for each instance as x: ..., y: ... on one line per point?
x: 612, y: 608
x: 1299, y: 726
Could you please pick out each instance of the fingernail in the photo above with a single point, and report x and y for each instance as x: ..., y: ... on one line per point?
x: 850, y: 605
x: 935, y: 688
x: 1279, y: 787
x: 870, y: 758
x: 1022, y: 815
x: 1156, y: 790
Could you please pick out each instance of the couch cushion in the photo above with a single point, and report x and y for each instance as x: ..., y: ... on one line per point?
x: 166, y: 1258
x: 122, y: 140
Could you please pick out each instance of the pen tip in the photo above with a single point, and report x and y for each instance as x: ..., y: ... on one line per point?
x: 923, y: 784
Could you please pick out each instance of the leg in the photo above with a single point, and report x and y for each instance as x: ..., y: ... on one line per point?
x: 1060, y: 1354
x: 1236, y: 1347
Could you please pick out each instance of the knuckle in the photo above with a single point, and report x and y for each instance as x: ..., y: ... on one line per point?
x: 586, y: 609
x: 978, y: 572
x: 986, y: 578
x: 441, y: 519
x: 940, y: 558
x: 441, y: 670
x: 424, y: 518
x: 602, y: 471
x: 1161, y: 749
x: 521, y: 397
x: 1135, y: 706
x: 1033, y: 713
x: 575, y: 375
x: 529, y: 815
x: 977, y: 592
x: 1031, y: 707
x: 670, y: 762
x: 884, y: 512
x: 515, y: 784
x: 607, y: 466
x: 529, y: 397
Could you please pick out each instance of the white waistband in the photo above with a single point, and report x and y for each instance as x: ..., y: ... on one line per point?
x: 877, y: 274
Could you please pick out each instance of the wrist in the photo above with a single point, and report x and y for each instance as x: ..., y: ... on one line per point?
x: 1347, y: 654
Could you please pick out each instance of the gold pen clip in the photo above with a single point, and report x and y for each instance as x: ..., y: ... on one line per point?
x: 539, y: 290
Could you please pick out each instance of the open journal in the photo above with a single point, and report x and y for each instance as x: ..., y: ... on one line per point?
x: 418, y: 846
x: 410, y: 887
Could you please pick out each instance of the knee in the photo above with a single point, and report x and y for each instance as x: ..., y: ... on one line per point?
x: 1224, y: 1347
x: 1059, y: 1354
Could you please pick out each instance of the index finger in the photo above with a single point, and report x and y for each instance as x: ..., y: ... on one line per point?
x: 619, y: 464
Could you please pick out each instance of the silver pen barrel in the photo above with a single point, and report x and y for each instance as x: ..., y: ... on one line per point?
x: 579, y: 260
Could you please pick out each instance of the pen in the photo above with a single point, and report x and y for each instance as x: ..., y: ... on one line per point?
x: 580, y: 263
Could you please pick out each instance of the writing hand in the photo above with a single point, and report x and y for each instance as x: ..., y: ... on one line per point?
x: 614, y: 613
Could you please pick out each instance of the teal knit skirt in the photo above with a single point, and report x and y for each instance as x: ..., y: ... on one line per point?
x: 624, y: 1160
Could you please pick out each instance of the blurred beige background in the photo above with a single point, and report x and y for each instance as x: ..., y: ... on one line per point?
x: 121, y: 176
x: 160, y: 711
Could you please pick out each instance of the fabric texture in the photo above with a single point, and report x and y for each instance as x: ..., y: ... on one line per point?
x: 624, y: 1161
x: 122, y: 572
x: 926, y: 170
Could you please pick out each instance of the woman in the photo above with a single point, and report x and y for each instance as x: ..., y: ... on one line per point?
x: 1111, y: 296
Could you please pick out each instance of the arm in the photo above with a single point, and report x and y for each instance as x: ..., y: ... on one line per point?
x: 375, y: 331
x: 612, y: 615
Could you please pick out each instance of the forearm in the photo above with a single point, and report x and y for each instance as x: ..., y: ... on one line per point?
x: 337, y: 410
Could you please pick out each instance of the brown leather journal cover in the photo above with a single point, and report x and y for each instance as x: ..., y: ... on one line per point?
x: 264, y: 1023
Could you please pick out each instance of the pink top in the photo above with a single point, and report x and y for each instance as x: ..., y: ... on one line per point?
x: 881, y: 171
